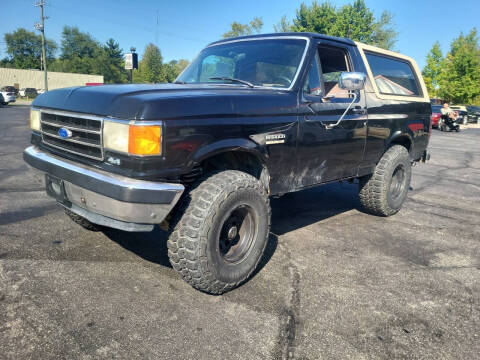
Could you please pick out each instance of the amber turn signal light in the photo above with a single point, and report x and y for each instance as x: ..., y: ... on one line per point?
x: 145, y: 139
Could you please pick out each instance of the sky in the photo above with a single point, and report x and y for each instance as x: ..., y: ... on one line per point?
x: 186, y: 26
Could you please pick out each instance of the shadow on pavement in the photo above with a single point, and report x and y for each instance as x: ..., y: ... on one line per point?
x: 306, y: 207
x: 289, y: 213
x: 151, y: 246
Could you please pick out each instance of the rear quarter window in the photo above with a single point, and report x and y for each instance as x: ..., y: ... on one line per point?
x: 393, y: 76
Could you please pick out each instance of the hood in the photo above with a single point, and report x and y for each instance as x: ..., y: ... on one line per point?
x: 150, y: 102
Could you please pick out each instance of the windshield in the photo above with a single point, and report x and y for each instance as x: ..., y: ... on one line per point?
x: 266, y: 62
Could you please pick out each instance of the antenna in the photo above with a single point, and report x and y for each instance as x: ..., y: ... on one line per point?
x: 156, y: 32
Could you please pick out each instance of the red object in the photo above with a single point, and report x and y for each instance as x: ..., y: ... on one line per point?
x: 435, y: 119
x: 93, y: 84
x: 416, y: 127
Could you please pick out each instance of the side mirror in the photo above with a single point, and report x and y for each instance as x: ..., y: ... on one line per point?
x: 352, y: 80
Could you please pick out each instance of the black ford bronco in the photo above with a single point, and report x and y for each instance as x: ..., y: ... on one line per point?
x: 249, y: 118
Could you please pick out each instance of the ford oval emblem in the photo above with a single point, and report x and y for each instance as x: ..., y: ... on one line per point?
x: 64, y: 133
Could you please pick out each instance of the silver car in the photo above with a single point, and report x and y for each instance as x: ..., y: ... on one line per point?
x: 6, y: 97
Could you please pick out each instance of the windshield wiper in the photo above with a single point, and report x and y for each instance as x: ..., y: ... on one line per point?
x: 244, y: 82
x: 179, y: 82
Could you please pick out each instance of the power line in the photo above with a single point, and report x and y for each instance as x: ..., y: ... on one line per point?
x: 133, y: 23
x: 156, y: 32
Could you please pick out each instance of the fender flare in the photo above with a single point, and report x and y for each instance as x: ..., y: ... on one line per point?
x: 399, y: 135
x: 228, y: 145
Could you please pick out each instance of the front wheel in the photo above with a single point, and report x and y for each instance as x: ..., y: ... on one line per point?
x: 383, y: 192
x: 82, y: 221
x: 222, y: 231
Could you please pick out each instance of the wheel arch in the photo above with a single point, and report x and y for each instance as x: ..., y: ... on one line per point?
x: 233, y: 154
x: 400, y: 138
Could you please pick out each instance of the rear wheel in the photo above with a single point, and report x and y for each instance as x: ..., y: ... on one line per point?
x: 222, y: 231
x: 383, y: 192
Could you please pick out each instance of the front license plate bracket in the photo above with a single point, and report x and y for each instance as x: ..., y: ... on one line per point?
x: 56, y: 189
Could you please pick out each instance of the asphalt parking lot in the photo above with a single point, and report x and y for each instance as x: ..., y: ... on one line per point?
x: 336, y: 283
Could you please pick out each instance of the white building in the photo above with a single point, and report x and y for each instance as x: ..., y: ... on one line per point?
x: 34, y: 79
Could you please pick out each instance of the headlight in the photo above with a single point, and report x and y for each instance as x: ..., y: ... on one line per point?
x: 115, y: 136
x: 35, y: 119
x: 131, y: 138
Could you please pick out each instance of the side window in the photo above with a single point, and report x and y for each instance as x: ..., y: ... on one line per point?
x: 333, y: 61
x: 392, y: 76
x: 313, y: 85
x: 216, y: 66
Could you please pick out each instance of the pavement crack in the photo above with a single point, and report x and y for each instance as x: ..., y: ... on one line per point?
x: 289, y: 316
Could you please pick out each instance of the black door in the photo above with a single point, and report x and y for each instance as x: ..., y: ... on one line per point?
x: 327, y: 149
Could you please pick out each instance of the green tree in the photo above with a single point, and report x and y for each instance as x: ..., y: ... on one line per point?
x: 384, y: 34
x: 238, y: 29
x: 78, y: 44
x: 283, y: 25
x: 319, y: 18
x: 355, y: 21
x: 181, y: 65
x: 432, y: 70
x: 80, y: 53
x: 111, y: 63
x: 460, y: 76
x: 150, y: 68
x: 24, y: 49
x: 174, y: 68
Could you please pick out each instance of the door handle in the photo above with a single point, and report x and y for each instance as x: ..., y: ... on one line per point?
x: 359, y: 110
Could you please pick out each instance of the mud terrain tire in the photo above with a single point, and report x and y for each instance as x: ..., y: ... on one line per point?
x: 82, y: 221
x: 221, y: 231
x: 383, y: 192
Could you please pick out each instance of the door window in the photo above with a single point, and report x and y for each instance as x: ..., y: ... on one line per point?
x: 333, y: 61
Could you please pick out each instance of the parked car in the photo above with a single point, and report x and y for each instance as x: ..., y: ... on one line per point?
x: 462, y: 113
x: 436, y: 115
x: 250, y: 118
x: 28, y: 92
x: 11, y: 89
x: 473, y: 114
x: 6, y: 96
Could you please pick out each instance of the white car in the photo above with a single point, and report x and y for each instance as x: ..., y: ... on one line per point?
x: 6, y: 97
x: 28, y: 92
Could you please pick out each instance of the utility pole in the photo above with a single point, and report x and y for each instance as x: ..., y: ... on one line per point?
x: 41, y: 27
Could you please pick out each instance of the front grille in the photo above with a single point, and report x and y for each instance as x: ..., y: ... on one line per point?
x: 86, y: 133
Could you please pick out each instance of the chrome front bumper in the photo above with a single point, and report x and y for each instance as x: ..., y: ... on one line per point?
x: 108, y: 199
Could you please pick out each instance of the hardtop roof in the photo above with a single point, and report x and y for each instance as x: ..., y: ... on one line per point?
x: 302, y: 34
